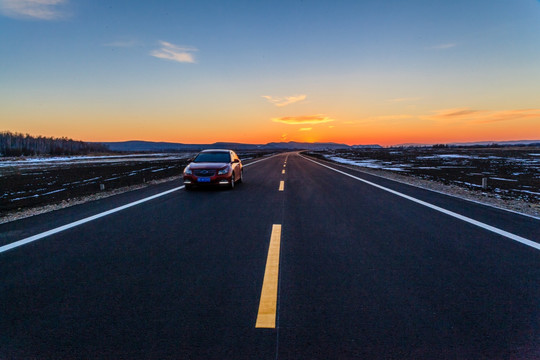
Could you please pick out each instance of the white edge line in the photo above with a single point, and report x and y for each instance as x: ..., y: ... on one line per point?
x: 507, y: 234
x: 82, y: 221
x: 256, y: 161
x: 94, y: 217
x: 359, y: 169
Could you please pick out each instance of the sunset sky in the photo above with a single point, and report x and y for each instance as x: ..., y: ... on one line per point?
x: 356, y: 72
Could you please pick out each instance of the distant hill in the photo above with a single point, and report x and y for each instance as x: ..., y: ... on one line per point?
x: 293, y: 145
x: 136, y: 145
x: 484, y: 143
x: 502, y: 143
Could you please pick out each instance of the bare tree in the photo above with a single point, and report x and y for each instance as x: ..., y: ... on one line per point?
x: 17, y: 144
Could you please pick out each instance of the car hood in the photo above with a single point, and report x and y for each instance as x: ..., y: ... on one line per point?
x: 213, y: 166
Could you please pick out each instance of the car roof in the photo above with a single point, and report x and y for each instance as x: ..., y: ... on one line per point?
x: 216, y: 150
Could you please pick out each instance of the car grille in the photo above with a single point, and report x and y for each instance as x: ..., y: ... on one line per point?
x: 204, y: 172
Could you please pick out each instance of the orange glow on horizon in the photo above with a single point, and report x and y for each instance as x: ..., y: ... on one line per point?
x: 441, y: 126
x: 383, y: 137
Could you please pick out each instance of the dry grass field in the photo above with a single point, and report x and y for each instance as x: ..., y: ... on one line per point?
x: 510, y: 173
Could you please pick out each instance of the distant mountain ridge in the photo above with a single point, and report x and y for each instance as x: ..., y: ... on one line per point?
x: 503, y: 143
x: 483, y: 143
x: 137, y: 145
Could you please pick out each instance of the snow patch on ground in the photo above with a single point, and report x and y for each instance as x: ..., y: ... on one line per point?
x: 372, y: 164
x: 445, y: 156
x: 502, y: 179
x: 36, y: 161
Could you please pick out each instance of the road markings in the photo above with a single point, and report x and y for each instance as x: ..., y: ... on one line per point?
x: 266, y: 317
x: 82, y: 221
x: 94, y: 217
x: 281, y: 185
x: 256, y: 161
x: 498, y: 231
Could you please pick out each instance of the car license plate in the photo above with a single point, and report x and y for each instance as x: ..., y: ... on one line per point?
x: 203, y: 179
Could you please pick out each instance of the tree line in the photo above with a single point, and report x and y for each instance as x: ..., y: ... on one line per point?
x: 16, y: 144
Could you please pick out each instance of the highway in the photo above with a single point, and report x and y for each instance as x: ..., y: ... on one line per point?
x: 299, y: 262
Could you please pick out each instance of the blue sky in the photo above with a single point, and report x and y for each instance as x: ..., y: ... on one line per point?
x: 193, y: 70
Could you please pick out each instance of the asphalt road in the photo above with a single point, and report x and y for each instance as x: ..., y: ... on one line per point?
x: 361, y: 273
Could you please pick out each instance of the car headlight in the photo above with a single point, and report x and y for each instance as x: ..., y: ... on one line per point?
x: 223, y: 171
x: 188, y: 171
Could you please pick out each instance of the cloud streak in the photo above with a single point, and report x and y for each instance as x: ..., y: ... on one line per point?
x: 444, y: 46
x: 176, y: 53
x: 483, y: 116
x: 303, y: 120
x: 464, y: 115
x: 286, y: 100
x: 33, y: 9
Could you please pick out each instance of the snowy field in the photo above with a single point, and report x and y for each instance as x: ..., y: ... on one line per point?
x: 511, y: 173
x: 35, y: 181
x: 69, y: 160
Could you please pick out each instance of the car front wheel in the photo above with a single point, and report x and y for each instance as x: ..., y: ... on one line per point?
x: 241, y: 180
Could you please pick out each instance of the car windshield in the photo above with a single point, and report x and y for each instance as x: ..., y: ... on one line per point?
x: 214, y: 157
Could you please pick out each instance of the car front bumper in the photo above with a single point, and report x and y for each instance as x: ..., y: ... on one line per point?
x: 207, y: 180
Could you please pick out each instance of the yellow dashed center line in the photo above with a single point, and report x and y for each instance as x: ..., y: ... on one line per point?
x: 266, y: 317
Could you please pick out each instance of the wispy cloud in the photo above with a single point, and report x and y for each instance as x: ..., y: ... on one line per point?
x: 483, y: 116
x: 305, y: 129
x: 33, y: 9
x: 286, y: 100
x: 452, y: 113
x: 173, y: 52
x: 122, y: 44
x: 303, y: 120
x: 444, y: 46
